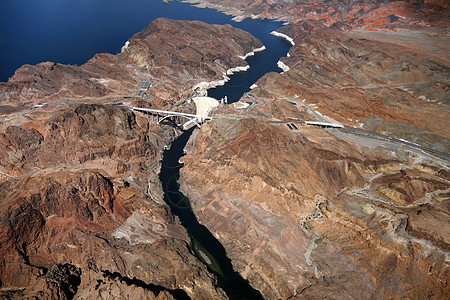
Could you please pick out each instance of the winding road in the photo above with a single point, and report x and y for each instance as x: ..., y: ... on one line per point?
x: 357, y: 131
x: 40, y: 171
x: 369, y: 134
x: 321, y: 122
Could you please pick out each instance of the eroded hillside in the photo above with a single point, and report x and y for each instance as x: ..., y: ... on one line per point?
x: 308, y: 214
x: 82, y: 211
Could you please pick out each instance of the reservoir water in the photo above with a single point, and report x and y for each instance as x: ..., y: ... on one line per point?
x: 72, y: 31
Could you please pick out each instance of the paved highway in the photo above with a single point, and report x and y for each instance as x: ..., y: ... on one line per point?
x: 40, y: 170
x: 29, y: 107
x: 354, y: 130
x: 400, y: 141
x: 171, y: 113
x: 322, y: 123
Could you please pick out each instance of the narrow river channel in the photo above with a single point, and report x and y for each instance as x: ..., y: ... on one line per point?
x: 204, y: 245
x: 73, y: 31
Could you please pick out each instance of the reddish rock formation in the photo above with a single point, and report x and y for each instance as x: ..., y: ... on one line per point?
x: 303, y: 213
x: 307, y: 214
x: 371, y: 15
x: 73, y: 180
x: 391, y: 83
x: 314, y: 214
x: 81, y: 210
x: 174, y: 55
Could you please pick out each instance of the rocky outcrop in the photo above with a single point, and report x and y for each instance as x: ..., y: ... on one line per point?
x: 314, y: 214
x: 391, y: 83
x: 172, y: 55
x: 73, y: 137
x: 303, y: 213
x: 72, y: 184
x: 82, y: 211
x: 371, y: 15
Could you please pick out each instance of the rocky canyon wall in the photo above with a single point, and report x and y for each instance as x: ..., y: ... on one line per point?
x: 306, y: 214
x: 81, y: 205
x: 370, y: 15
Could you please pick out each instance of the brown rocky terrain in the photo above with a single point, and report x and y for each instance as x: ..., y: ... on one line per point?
x: 371, y: 15
x: 69, y: 182
x: 303, y: 213
x: 314, y: 213
x: 392, y: 83
x: 174, y: 55
x: 311, y: 213
x: 81, y: 205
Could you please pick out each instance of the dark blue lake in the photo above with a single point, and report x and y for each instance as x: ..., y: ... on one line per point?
x: 72, y: 31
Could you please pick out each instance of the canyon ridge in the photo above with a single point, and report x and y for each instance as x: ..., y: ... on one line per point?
x: 328, y: 179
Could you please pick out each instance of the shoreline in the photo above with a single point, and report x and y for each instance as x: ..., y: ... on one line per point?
x: 284, y: 36
x: 205, y: 86
x: 252, y: 53
x: 283, y: 66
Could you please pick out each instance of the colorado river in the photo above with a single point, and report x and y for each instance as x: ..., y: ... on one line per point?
x: 204, y: 245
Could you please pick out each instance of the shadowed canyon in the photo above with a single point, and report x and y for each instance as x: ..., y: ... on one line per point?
x: 327, y: 179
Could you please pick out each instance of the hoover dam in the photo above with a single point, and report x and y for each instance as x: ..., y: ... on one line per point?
x: 225, y: 150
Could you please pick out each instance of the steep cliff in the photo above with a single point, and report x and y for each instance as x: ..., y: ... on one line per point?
x: 303, y: 212
x: 82, y: 211
x: 391, y: 83
x: 309, y: 213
